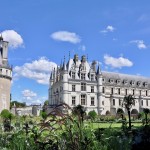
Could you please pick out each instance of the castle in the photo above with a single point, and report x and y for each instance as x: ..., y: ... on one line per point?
x: 79, y: 82
x: 5, y: 76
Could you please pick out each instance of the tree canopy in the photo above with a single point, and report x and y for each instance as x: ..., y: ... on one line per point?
x: 17, y: 104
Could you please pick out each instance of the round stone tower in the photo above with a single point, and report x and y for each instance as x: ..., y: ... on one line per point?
x: 5, y: 76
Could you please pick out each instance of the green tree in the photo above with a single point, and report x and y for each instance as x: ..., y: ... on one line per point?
x: 44, y: 115
x: 128, y: 101
x: 5, y: 114
x: 46, y: 102
x: 146, y: 112
x: 17, y: 104
x: 80, y: 111
x: 92, y: 114
x: 120, y: 112
x: 7, y: 118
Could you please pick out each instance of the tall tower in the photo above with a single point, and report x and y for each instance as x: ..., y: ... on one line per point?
x: 65, y: 82
x: 5, y: 76
x: 50, y: 89
x: 99, y: 89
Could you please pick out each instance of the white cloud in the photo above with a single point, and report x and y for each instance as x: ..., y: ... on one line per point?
x: 30, y: 97
x: 15, y: 40
x: 38, y: 70
x: 66, y: 36
x: 109, y: 28
x: 117, y: 62
x: 140, y: 44
x: 28, y: 93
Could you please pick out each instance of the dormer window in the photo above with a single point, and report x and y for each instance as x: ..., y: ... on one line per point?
x: 82, y: 76
x: 73, y: 75
x: 111, y: 80
x: 83, y: 68
x: 138, y: 83
x: 132, y: 82
x: 125, y: 82
x: 118, y: 81
x: 145, y: 84
x: 92, y: 77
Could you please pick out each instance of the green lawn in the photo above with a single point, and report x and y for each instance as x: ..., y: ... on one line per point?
x: 113, y: 125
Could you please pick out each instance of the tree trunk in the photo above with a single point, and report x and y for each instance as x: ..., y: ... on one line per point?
x: 129, y: 119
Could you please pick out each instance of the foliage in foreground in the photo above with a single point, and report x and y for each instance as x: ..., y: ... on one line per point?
x: 62, y: 131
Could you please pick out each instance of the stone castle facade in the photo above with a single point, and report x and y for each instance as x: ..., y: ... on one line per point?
x: 5, y: 76
x: 79, y: 82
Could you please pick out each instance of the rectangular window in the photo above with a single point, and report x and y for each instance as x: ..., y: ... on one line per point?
x: 140, y: 92
x: 73, y: 100
x: 120, y: 102
x: 103, y: 89
x: 142, y: 102
x: 92, y: 101
x: 92, y: 77
x: 126, y: 92
x: 82, y: 76
x: 112, y: 91
x: 133, y: 92
x: 92, y: 89
x: 83, y: 86
x: 73, y: 88
x: 146, y: 102
x: 114, y: 102
x: 73, y: 75
x: 102, y: 102
x: 83, y: 99
x: 119, y: 91
x: 146, y: 93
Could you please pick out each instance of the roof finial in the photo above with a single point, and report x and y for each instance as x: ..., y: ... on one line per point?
x: 64, y: 64
x: 61, y: 64
x: 98, y: 69
x: 87, y: 57
x: 69, y: 55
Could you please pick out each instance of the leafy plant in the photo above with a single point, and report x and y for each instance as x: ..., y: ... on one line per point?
x: 146, y: 112
x: 128, y: 101
x: 92, y: 114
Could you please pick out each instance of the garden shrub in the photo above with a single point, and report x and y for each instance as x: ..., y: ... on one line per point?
x: 92, y: 114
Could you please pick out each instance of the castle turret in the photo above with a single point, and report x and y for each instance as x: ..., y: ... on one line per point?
x: 75, y: 58
x: 64, y: 74
x: 51, y: 79
x: 5, y: 76
x: 99, y: 89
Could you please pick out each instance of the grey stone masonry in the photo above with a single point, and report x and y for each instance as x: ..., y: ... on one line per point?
x: 5, y: 76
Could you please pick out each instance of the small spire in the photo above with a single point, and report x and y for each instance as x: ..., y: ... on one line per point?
x: 69, y: 55
x: 61, y: 64
x: 87, y: 57
x: 64, y: 64
x: 57, y: 70
x: 51, y: 77
x: 98, y: 69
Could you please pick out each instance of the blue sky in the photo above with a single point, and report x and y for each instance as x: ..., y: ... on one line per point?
x: 40, y: 32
